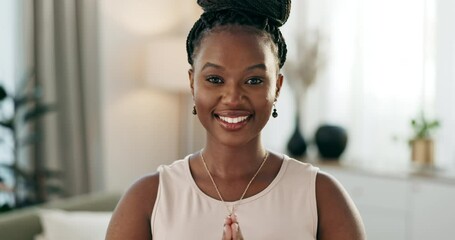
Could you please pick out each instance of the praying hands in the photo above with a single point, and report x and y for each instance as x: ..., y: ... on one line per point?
x: 231, y: 229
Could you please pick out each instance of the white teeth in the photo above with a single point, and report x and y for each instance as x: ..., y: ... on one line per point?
x: 233, y: 120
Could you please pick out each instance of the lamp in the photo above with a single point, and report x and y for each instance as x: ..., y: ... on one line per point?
x: 167, y: 69
x: 167, y: 66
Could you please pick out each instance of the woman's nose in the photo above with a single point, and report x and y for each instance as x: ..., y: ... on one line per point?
x: 233, y: 94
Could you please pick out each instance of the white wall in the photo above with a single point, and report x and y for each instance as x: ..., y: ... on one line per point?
x: 445, y: 82
x: 139, y: 124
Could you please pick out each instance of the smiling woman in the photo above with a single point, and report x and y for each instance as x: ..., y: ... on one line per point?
x: 236, y: 84
x: 234, y: 187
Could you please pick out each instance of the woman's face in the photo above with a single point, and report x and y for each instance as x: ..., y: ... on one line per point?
x: 234, y: 81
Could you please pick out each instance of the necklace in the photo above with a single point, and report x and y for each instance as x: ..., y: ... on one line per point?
x: 232, y: 210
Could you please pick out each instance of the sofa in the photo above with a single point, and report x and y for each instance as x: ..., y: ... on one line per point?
x: 25, y: 224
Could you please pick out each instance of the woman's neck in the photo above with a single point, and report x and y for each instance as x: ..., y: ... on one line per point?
x: 233, y: 161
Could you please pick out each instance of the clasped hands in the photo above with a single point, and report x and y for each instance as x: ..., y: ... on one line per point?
x: 231, y: 229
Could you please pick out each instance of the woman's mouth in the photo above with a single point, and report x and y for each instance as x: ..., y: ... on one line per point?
x: 233, y: 120
x: 233, y: 123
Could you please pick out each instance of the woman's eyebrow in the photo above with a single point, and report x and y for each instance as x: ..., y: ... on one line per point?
x: 211, y: 65
x: 261, y: 66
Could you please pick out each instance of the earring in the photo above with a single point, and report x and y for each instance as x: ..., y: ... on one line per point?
x: 194, y: 110
x: 274, y: 114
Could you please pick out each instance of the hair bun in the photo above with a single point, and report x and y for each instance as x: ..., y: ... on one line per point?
x: 275, y: 10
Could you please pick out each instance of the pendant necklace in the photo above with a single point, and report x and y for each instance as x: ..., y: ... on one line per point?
x: 232, y: 210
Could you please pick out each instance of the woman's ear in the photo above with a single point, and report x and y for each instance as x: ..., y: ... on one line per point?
x: 279, y: 84
x: 191, y: 78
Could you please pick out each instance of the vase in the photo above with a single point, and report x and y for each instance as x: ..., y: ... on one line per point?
x: 423, y: 151
x: 331, y: 141
x: 297, y: 145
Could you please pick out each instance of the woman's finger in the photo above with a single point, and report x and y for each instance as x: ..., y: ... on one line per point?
x: 235, y: 228
x: 236, y: 233
x: 227, y: 231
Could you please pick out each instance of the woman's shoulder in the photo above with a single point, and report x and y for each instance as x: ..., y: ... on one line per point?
x: 145, y: 186
x: 145, y: 189
x: 131, y: 218
x: 336, y: 208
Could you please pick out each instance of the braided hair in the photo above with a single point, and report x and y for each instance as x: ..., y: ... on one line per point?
x: 266, y: 16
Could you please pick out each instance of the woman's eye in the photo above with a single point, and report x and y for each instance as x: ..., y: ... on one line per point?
x: 254, y: 81
x: 214, y: 80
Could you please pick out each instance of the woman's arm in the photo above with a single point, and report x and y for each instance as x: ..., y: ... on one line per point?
x: 131, y: 218
x: 338, y: 217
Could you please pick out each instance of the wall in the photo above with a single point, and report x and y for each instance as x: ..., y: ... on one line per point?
x: 139, y: 123
x: 445, y: 82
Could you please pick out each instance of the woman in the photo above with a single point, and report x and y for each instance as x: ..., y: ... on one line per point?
x: 234, y: 188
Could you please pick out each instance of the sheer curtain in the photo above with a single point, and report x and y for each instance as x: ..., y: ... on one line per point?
x: 380, y: 73
x: 374, y: 82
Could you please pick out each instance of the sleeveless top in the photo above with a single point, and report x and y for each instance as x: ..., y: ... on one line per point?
x: 286, y: 209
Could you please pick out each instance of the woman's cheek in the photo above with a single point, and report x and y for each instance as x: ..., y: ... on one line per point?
x: 204, y: 99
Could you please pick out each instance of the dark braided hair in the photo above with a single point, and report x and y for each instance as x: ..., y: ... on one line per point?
x: 263, y: 15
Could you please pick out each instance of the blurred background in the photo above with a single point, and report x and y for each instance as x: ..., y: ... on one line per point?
x: 94, y: 94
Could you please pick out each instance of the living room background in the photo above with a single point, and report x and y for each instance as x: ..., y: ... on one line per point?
x: 388, y: 60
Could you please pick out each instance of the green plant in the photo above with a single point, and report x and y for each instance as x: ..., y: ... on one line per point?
x: 30, y: 183
x: 423, y: 127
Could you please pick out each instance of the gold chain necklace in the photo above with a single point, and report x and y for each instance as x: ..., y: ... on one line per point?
x: 231, y: 211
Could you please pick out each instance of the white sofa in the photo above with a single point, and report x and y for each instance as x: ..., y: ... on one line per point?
x: 24, y: 224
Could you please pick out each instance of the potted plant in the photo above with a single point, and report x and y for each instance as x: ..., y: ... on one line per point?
x: 422, y: 143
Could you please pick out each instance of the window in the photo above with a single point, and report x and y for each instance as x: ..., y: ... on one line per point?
x: 383, y: 69
x: 8, y: 60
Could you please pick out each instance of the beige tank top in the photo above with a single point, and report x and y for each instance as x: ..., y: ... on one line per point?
x: 286, y: 209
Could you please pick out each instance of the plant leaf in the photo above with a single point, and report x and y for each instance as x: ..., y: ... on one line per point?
x: 38, y: 111
x: 8, y: 123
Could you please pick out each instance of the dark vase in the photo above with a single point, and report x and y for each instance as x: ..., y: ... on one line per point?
x: 331, y: 141
x: 297, y: 145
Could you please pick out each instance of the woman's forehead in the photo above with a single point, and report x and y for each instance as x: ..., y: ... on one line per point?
x: 235, y: 46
